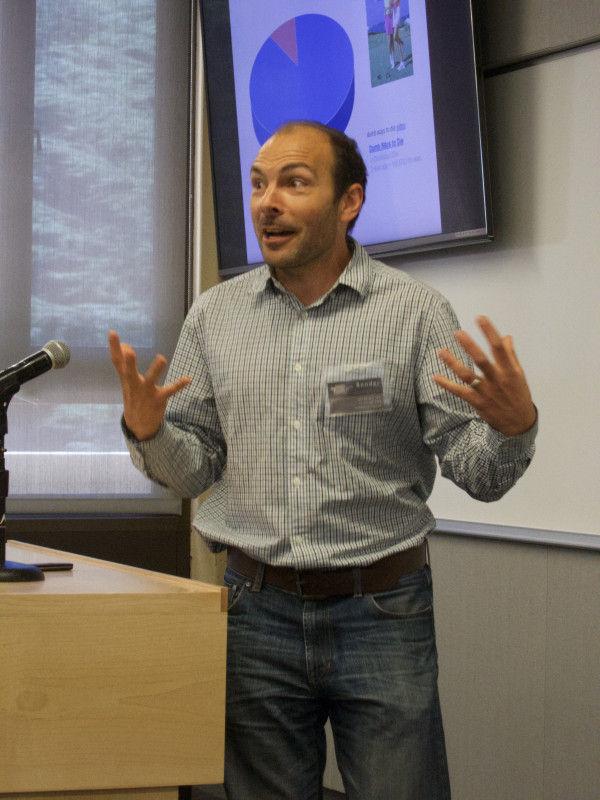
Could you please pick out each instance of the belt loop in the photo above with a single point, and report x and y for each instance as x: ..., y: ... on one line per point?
x: 258, y: 578
x: 356, y: 574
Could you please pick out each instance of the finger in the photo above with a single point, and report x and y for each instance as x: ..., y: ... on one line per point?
x: 155, y: 369
x: 123, y: 357
x: 466, y: 373
x: 511, y: 353
x: 461, y: 390
x: 114, y: 345
x: 472, y: 349
x: 446, y: 383
x: 497, y: 343
x: 129, y: 368
x: 172, y: 388
x: 461, y: 371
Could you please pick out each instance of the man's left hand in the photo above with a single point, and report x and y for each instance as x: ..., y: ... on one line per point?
x: 499, y: 394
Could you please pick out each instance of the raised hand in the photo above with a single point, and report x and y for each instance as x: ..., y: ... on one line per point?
x: 499, y: 394
x: 144, y: 401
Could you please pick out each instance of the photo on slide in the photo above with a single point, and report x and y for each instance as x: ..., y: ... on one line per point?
x: 390, y: 43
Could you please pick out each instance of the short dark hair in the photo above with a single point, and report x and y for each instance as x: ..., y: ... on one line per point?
x: 348, y: 167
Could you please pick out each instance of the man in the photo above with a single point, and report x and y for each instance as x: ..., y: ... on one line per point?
x: 317, y: 393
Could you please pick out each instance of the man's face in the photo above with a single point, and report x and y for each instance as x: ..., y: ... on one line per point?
x: 296, y: 219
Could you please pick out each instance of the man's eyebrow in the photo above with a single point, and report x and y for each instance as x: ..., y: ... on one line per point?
x: 286, y: 168
x: 297, y: 165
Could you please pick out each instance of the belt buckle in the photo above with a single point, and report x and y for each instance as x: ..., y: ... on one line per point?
x: 300, y: 591
x: 298, y: 578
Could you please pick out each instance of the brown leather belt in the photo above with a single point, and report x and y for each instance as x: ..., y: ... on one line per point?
x: 315, y: 583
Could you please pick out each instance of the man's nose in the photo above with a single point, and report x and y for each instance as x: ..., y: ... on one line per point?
x: 271, y: 198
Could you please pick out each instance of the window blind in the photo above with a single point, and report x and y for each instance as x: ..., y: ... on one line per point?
x: 94, y: 155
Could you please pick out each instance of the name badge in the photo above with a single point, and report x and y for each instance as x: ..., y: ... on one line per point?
x: 355, y: 389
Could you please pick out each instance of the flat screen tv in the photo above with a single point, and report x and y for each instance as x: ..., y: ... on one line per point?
x: 402, y: 80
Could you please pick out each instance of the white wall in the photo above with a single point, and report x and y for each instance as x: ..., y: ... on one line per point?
x: 540, y: 281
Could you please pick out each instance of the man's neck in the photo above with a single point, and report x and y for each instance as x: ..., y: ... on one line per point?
x: 310, y: 284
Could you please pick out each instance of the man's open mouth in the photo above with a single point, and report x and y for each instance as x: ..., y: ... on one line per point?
x: 272, y: 234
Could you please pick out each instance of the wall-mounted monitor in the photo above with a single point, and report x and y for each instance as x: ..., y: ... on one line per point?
x: 400, y: 78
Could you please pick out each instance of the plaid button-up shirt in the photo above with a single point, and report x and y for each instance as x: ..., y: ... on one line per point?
x: 295, y: 482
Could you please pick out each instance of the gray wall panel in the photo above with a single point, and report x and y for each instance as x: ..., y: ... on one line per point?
x: 514, y: 31
x: 490, y: 603
x: 511, y: 30
x: 572, y: 22
x: 572, y: 734
x: 518, y: 638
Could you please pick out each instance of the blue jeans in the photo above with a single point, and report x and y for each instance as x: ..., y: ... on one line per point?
x: 367, y: 663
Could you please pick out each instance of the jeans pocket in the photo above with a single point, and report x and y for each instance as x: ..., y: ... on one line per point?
x: 411, y: 598
x: 237, y: 586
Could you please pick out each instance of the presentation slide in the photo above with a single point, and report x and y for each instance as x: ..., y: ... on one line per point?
x: 362, y: 67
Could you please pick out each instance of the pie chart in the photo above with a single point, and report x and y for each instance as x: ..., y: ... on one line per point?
x: 304, y: 70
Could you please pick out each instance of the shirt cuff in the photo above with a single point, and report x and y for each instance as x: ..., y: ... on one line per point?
x: 515, y: 445
x: 131, y: 437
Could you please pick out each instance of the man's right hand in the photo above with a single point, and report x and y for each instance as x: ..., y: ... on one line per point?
x: 144, y: 401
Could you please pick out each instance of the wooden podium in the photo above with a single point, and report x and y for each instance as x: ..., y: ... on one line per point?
x: 112, y: 682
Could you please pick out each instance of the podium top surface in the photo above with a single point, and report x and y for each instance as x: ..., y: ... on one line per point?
x: 94, y: 576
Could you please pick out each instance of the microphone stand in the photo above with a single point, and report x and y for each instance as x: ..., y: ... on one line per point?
x: 10, y: 571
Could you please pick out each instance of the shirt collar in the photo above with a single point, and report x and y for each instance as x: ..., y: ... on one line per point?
x: 357, y: 276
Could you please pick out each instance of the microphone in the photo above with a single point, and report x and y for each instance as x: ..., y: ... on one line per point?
x: 53, y: 355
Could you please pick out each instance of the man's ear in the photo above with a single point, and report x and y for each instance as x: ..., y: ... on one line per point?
x: 351, y: 202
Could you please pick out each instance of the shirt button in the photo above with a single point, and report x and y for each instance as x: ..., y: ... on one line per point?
x: 298, y: 367
x: 297, y: 424
x: 297, y: 482
x: 305, y: 315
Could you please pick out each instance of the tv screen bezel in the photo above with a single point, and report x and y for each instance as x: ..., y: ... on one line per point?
x: 458, y: 119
